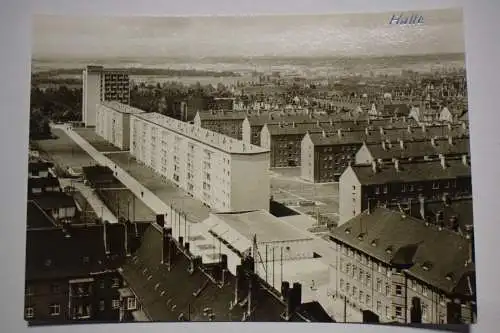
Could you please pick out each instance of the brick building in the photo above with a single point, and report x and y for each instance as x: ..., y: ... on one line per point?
x: 227, y: 123
x: 71, y: 270
x: 364, y: 186
x: 401, y: 269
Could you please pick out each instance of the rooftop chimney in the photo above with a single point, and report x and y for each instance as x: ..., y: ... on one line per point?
x: 285, y: 287
x: 318, y: 123
x: 382, y: 132
x: 465, y: 160
x: 449, y: 126
x: 160, y: 220
x: 443, y: 161
x: 433, y: 142
x: 331, y: 122
x: 367, y: 131
x: 450, y: 140
x: 293, y: 124
x: 384, y: 146
x: 126, y: 225
x: 165, y: 254
x: 323, y: 133
x: 396, y: 164
x: 421, y: 199
x: 464, y: 125
x: 423, y: 128
x: 374, y: 166
x: 339, y: 132
x: 402, y: 144
x: 105, y: 236
x: 409, y: 128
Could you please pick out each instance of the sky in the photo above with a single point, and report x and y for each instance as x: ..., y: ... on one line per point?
x: 247, y: 36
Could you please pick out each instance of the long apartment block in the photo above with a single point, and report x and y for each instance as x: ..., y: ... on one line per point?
x: 224, y: 173
x: 113, y: 123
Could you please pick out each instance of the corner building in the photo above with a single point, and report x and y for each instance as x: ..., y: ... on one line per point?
x: 224, y: 173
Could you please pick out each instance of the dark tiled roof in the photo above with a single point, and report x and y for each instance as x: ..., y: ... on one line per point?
x: 459, y: 209
x: 411, y: 172
x: 222, y: 115
x: 144, y: 272
x: 98, y: 174
x: 419, y: 148
x: 314, y: 312
x: 43, y: 182
x: 159, y: 289
x: 50, y: 253
x: 36, y: 217
x: 437, y: 257
x: 39, y: 165
x: 53, y: 200
x: 374, y: 135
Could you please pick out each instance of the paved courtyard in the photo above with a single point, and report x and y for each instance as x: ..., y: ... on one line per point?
x: 302, y: 196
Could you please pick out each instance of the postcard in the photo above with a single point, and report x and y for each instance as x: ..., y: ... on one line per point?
x: 277, y: 168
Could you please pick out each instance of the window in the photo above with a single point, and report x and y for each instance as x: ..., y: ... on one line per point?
x: 399, y: 311
x: 29, y: 312
x: 354, y: 273
x: 403, y: 187
x: 387, y: 312
x: 341, y: 284
x: 387, y: 290
x: 347, y: 287
x: 424, y: 290
x: 102, y: 284
x: 379, y: 285
x: 55, y: 288
x: 354, y: 291
x: 368, y: 299
x: 361, y: 296
x: 425, y: 312
x: 411, y: 188
x: 361, y: 275
x: 348, y: 268
x: 131, y: 303
x: 54, y: 309
x: 377, y: 190
x: 368, y: 279
x: 102, y: 305
x: 29, y: 291
x: 399, y: 290
x: 385, y: 189
x: 116, y: 283
x: 435, y: 185
x: 115, y: 304
x: 379, y: 307
x: 413, y: 284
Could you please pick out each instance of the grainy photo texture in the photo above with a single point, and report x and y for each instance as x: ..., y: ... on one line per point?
x: 256, y: 168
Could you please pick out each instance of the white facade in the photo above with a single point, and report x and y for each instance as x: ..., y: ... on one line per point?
x: 224, y: 173
x: 349, y: 196
x: 113, y: 123
x: 91, y: 94
x: 307, y: 158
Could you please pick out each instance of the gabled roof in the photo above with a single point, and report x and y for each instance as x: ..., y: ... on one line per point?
x: 53, y: 200
x: 411, y: 172
x: 436, y: 257
x: 419, y: 148
x: 166, y: 294
x: 50, y: 253
x: 37, y: 218
x: 43, y: 182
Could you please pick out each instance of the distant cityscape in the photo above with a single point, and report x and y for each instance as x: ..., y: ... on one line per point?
x: 305, y: 190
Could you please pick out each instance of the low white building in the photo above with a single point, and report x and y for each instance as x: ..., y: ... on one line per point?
x: 224, y: 173
x: 113, y: 123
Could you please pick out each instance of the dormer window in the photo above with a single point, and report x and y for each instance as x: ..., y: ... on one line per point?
x: 374, y: 242
x: 361, y: 236
x: 449, y: 277
x: 388, y: 250
x: 348, y: 231
x: 426, y: 266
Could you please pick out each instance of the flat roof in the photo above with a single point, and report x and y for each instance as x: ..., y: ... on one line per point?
x: 266, y: 227
x: 121, y: 108
x: 216, y: 140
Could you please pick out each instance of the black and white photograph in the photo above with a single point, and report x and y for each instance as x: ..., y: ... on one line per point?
x: 258, y: 168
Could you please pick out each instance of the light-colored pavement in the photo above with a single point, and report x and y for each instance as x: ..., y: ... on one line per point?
x: 140, y: 191
x: 94, y: 201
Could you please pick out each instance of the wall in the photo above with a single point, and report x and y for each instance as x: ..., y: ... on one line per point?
x: 91, y: 97
x: 307, y: 157
x: 363, y: 156
x: 250, y: 182
x: 349, y: 196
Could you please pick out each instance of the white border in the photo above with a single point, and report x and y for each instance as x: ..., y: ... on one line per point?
x: 481, y: 30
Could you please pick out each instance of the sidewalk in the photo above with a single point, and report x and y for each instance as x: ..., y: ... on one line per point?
x: 95, y: 202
